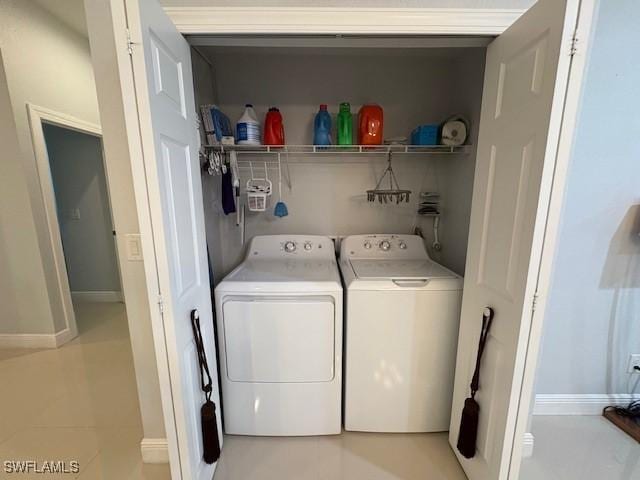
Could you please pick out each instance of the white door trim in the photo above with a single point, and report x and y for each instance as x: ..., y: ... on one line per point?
x: 567, y: 120
x: 580, y: 403
x: 38, y: 116
x: 35, y: 340
x: 154, y: 450
x: 527, y: 445
x: 317, y: 20
x: 102, y: 296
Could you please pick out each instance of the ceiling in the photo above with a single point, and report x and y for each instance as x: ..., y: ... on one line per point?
x: 498, y: 4
x: 69, y: 12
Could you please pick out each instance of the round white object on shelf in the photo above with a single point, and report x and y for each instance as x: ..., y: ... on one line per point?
x: 454, y: 133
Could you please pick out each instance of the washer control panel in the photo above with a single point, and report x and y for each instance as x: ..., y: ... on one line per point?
x: 292, y: 246
x: 383, y: 246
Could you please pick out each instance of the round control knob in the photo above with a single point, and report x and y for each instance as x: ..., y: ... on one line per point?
x: 289, y: 247
x: 367, y: 245
x: 402, y: 245
x: 385, y: 245
x: 308, y: 246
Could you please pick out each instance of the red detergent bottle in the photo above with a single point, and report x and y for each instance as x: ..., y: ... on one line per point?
x: 273, y: 128
x: 370, y: 123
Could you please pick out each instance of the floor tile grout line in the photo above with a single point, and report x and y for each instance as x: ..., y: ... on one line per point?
x: 89, y: 462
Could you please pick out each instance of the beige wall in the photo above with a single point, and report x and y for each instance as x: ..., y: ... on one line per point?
x: 17, y: 237
x: 49, y: 65
x: 46, y: 64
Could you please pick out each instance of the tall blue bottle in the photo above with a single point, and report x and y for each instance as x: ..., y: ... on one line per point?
x: 322, y: 127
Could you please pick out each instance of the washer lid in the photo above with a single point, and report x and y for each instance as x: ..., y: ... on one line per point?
x: 285, y: 270
x: 399, y: 269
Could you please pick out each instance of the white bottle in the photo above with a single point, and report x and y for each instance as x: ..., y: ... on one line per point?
x: 248, y: 127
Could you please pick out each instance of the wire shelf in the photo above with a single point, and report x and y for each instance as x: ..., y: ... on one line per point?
x: 341, y: 149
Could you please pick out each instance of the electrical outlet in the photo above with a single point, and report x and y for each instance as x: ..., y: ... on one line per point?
x: 634, y: 361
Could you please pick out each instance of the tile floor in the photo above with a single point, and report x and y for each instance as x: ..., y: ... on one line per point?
x: 350, y: 456
x: 78, y: 402
x: 580, y: 448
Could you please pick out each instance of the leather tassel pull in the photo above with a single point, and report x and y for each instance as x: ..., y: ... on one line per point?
x: 469, y: 428
x: 210, y: 440
x: 468, y: 433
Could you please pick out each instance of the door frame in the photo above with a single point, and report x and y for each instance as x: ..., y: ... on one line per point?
x: 38, y: 116
x: 331, y: 21
x: 259, y: 21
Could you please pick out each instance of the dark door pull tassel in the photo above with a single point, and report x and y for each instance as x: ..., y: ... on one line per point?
x: 468, y: 434
x: 210, y: 440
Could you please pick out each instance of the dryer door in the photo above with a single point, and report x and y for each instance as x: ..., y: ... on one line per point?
x: 279, y: 339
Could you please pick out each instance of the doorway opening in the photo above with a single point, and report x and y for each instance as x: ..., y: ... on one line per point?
x: 84, y: 214
x: 78, y: 177
x: 73, y: 182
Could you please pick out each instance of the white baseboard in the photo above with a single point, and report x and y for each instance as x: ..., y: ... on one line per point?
x: 63, y: 337
x: 579, y: 404
x: 154, y: 450
x: 35, y: 340
x: 98, y: 296
x: 527, y: 445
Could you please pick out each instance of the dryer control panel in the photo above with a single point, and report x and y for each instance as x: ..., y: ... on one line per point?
x: 384, y: 246
x: 292, y: 246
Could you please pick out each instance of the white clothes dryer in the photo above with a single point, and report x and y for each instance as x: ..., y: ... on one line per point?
x: 401, y: 330
x: 279, y: 318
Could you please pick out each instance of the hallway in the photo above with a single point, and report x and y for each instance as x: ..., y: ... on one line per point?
x: 76, y: 403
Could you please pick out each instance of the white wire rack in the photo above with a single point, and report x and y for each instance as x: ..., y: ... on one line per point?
x: 341, y: 149
x: 332, y: 154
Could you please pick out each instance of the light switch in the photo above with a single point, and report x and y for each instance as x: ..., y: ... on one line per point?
x: 134, y: 247
x: 75, y: 214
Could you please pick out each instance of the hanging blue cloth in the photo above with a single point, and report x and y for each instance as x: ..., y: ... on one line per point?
x: 228, y: 202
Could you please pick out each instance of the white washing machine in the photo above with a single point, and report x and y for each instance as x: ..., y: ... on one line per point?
x: 401, y: 330
x: 279, y: 317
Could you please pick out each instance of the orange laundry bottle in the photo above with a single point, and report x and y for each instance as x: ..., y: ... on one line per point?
x: 370, y: 125
x: 273, y: 128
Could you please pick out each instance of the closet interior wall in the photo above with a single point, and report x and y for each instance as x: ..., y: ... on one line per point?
x: 327, y: 194
x: 220, y: 229
x: 455, y: 172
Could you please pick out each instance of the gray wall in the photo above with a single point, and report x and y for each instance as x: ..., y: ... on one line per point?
x: 220, y: 230
x: 328, y: 197
x: 455, y: 173
x: 593, y: 319
x: 80, y: 187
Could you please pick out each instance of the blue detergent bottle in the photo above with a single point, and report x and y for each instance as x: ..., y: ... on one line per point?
x: 322, y: 127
